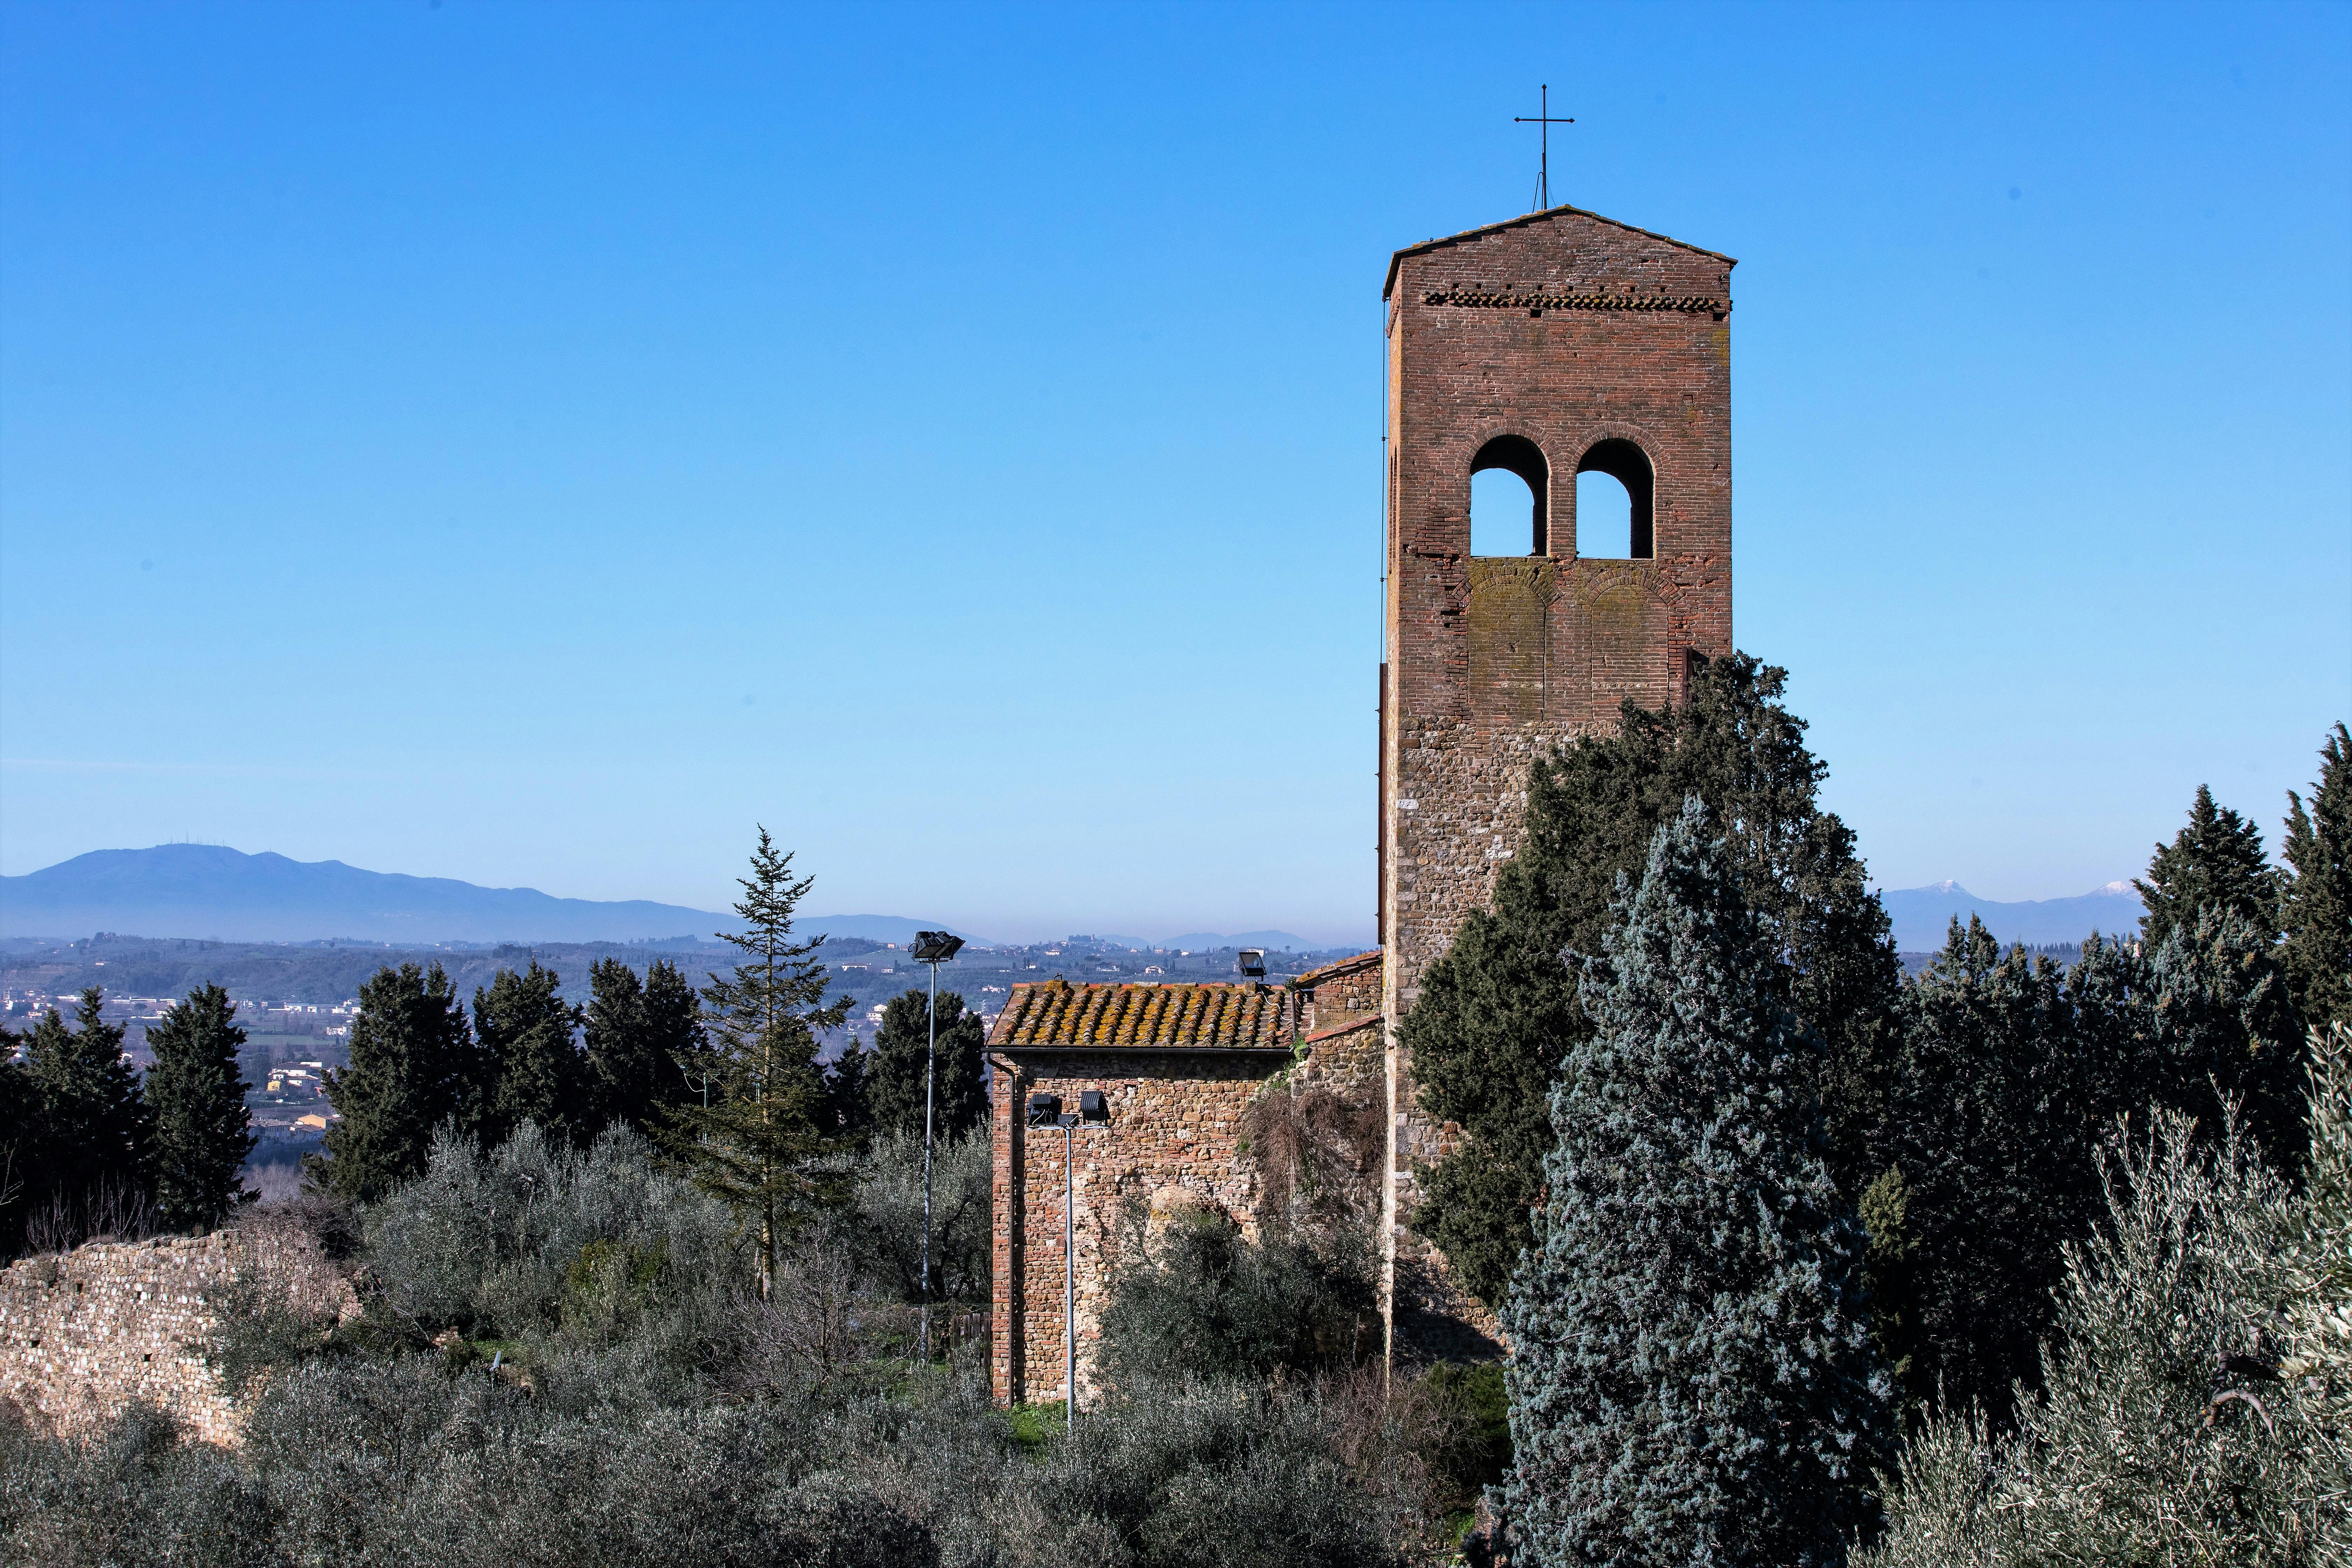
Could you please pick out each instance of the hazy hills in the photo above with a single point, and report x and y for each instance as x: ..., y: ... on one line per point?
x: 1921, y: 915
x: 211, y: 891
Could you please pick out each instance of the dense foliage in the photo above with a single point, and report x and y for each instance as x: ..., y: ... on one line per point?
x: 2184, y: 1417
x: 881, y: 1223
x: 2013, y: 1068
x: 637, y: 1033
x: 894, y: 1073
x: 1201, y: 1298
x: 526, y: 1034
x: 2315, y: 901
x: 563, y: 1360
x: 415, y: 1066
x: 1692, y: 1381
x: 1500, y: 1010
x: 2217, y: 861
x: 196, y: 1093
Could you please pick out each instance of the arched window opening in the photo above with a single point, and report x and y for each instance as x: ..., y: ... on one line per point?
x: 1614, y: 491
x: 1508, y: 518
x: 1604, y: 517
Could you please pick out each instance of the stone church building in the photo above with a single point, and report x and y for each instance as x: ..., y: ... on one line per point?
x: 1554, y: 345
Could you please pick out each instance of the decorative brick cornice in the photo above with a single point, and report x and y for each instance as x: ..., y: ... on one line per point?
x: 1539, y: 301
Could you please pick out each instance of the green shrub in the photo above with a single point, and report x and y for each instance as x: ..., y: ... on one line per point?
x: 1206, y: 1301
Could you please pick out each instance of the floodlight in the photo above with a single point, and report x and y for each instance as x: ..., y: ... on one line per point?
x: 1092, y: 1107
x: 1251, y: 961
x: 935, y: 946
x: 1045, y: 1110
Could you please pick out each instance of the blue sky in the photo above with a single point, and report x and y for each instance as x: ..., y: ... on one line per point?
x: 531, y: 444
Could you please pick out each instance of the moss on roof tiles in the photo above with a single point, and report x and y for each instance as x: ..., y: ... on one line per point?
x: 1144, y: 1017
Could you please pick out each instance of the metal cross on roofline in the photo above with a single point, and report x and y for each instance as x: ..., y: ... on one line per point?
x: 1543, y: 117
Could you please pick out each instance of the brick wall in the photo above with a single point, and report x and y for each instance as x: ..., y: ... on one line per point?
x: 1563, y: 330
x: 84, y: 1333
x: 1171, y: 1145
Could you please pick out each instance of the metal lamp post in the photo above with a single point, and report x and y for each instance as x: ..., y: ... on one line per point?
x: 934, y: 948
x: 1045, y: 1110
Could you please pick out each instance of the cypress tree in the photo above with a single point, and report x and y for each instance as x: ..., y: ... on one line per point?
x: 755, y: 1146
x: 845, y: 1095
x: 612, y: 1034
x: 893, y: 1078
x: 1495, y: 1013
x: 638, y: 1036
x: 2317, y: 905
x: 197, y: 1093
x: 24, y: 1159
x: 1692, y: 1381
x: 2015, y: 1071
x: 524, y: 1028
x: 2215, y: 1025
x: 94, y: 1118
x: 1997, y: 1125
x: 414, y: 1067
x: 2217, y: 859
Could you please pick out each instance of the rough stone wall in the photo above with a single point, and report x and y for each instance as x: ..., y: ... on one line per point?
x: 1170, y: 1143
x: 1565, y: 330
x: 84, y: 1333
x: 1339, y: 994
x: 1340, y: 1020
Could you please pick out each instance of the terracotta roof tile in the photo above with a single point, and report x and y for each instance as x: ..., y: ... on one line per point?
x: 1144, y: 1017
x: 1333, y: 969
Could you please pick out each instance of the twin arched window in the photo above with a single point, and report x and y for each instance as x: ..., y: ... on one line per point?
x: 1615, y: 500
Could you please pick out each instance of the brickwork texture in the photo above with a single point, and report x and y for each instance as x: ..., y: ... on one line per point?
x: 1552, y: 344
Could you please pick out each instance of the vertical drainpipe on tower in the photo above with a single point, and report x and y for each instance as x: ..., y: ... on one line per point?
x: 1380, y: 810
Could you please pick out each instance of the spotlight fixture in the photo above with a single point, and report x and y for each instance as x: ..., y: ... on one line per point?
x: 1092, y: 1106
x: 935, y: 946
x: 1045, y: 1110
x: 1251, y: 961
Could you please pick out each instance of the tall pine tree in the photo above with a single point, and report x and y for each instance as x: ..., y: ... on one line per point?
x: 756, y: 1145
x: 894, y: 1075
x: 525, y: 1029
x: 94, y: 1120
x: 1498, y: 1011
x: 2216, y: 861
x: 414, y: 1067
x: 1692, y: 1380
x: 638, y: 1036
x: 196, y: 1092
x: 2317, y: 905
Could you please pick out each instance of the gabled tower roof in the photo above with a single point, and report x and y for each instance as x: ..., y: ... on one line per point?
x: 1548, y: 215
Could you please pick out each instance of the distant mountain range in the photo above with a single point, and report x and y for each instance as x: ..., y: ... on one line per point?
x: 212, y: 891
x: 1209, y: 940
x: 1922, y: 915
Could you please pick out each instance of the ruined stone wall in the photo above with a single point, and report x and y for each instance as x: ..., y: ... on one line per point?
x: 84, y: 1333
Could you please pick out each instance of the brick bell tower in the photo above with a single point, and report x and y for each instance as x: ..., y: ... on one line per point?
x: 1555, y: 344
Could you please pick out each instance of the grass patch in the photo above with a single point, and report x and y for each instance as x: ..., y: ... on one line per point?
x: 1035, y: 1425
